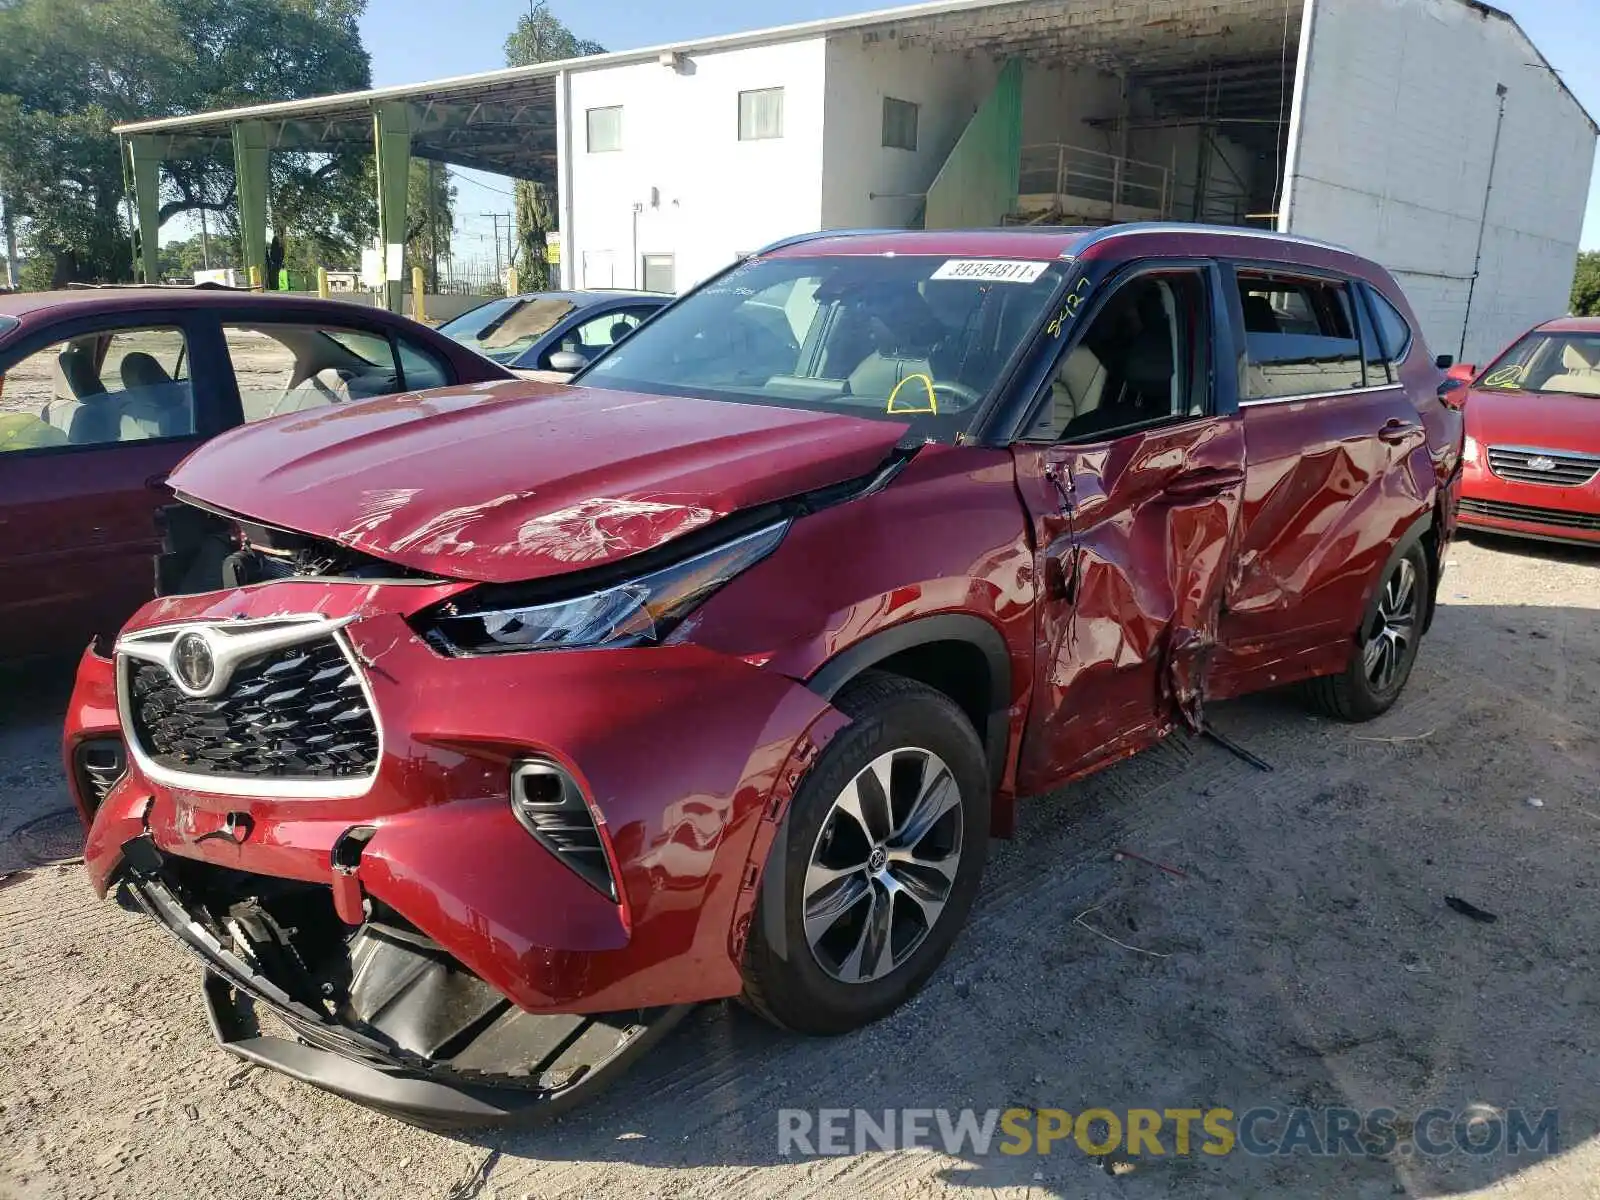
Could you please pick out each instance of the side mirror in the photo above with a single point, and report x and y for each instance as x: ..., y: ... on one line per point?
x: 1461, y: 371
x: 567, y: 361
x: 1443, y: 361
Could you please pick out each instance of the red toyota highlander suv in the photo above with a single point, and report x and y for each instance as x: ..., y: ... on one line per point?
x: 517, y: 718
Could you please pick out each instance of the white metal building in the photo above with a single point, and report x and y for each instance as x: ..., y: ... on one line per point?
x: 1430, y: 135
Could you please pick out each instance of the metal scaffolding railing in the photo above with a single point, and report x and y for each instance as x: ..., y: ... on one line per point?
x: 1060, y: 170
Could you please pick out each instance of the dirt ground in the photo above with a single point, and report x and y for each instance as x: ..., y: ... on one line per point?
x: 1304, y: 956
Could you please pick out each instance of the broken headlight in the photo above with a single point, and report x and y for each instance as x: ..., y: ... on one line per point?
x: 636, y: 611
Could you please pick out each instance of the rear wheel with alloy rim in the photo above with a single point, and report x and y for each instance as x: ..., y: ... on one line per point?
x: 884, y: 847
x: 1386, y: 645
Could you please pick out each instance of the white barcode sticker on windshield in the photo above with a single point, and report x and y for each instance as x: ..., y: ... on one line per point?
x: 991, y: 270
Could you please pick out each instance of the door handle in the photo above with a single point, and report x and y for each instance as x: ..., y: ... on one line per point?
x: 1395, y: 430
x: 1199, y: 484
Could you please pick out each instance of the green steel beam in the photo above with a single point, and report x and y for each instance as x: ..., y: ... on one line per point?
x: 977, y: 185
x: 391, y: 134
x: 250, y: 143
x: 145, y: 161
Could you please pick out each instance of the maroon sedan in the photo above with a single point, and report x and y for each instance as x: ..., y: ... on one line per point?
x: 103, y: 391
x: 529, y: 715
x: 1533, y: 436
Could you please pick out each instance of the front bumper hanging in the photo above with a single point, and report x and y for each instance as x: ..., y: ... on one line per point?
x: 504, y: 1065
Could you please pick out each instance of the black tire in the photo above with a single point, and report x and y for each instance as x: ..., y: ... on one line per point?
x: 1361, y: 693
x: 789, y: 985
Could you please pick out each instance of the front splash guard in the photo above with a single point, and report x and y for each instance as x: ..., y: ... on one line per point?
x: 573, y: 1056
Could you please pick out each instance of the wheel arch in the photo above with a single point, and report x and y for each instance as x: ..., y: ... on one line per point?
x: 932, y: 644
x: 959, y: 654
x: 1421, y: 531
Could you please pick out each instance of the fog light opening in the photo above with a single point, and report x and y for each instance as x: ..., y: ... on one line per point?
x: 550, y: 805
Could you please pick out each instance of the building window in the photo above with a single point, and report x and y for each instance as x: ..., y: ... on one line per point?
x: 899, y: 124
x: 605, y: 129
x: 657, y: 273
x: 761, y: 114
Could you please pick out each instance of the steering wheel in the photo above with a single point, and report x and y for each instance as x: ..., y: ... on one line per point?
x: 964, y: 397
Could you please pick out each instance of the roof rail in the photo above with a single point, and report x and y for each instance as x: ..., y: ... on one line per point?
x: 1107, y: 232
x: 800, y: 239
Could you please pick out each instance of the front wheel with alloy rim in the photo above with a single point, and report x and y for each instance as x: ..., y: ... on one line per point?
x: 883, y: 848
x: 1386, y: 646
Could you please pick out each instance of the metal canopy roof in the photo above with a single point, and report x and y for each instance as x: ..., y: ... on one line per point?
x: 1196, y: 57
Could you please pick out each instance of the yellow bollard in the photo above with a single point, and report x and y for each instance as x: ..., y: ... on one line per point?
x: 511, y: 281
x: 419, y: 307
x: 255, y: 279
x: 322, y: 282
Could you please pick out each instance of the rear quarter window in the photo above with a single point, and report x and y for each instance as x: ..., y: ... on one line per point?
x: 1394, y: 333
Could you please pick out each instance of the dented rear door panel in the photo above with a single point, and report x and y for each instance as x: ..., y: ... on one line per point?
x: 1329, y: 488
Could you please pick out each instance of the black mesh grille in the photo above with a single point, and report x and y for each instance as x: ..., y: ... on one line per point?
x: 1527, y: 512
x: 297, y: 713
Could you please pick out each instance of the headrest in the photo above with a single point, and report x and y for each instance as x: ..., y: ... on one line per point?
x: 140, y: 370
x: 1573, y: 359
x: 77, y: 365
x: 1258, y: 315
x: 1149, y: 362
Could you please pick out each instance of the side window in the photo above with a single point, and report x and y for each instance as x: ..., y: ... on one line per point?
x: 601, y: 333
x: 1300, y: 337
x: 1142, y: 360
x: 285, y: 368
x: 1394, y: 334
x: 423, y: 368
x: 126, y: 385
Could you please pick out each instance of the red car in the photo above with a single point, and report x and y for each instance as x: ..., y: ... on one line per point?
x: 1532, y: 459
x: 104, y: 390
x: 524, y: 717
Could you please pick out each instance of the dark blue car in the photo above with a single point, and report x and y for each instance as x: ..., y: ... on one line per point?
x: 552, y: 334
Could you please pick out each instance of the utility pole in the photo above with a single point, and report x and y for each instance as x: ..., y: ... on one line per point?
x: 1483, y: 219
x: 496, y: 218
x: 499, y: 262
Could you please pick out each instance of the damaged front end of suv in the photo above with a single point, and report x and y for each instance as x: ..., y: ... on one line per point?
x: 469, y: 878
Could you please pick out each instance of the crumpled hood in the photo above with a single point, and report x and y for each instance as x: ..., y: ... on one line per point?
x: 511, y: 481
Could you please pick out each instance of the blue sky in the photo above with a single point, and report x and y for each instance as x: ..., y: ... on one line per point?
x: 416, y: 40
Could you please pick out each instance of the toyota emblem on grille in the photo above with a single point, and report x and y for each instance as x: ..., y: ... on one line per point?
x: 202, y: 659
x: 193, y: 664
x: 1541, y: 462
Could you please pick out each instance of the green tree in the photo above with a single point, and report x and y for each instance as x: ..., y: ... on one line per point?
x: 1586, y: 285
x: 539, y: 37
x: 71, y: 69
x: 180, y: 260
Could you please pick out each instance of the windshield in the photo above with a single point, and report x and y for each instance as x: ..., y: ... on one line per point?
x: 1548, y: 362
x: 914, y: 338
x: 504, y: 330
